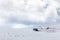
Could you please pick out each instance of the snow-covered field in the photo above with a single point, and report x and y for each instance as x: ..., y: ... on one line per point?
x: 27, y: 34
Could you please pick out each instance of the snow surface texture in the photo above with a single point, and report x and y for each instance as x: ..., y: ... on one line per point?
x: 27, y: 12
x: 27, y: 34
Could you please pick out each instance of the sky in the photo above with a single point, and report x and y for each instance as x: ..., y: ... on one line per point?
x: 27, y: 13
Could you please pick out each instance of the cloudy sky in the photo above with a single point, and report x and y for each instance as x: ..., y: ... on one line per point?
x: 25, y: 13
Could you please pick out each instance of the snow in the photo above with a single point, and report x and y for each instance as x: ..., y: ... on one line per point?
x: 27, y: 34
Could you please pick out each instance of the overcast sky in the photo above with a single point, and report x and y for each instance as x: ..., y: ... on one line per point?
x: 24, y: 13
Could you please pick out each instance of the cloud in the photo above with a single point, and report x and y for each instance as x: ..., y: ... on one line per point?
x: 2, y: 20
x: 28, y: 12
x: 20, y: 25
x: 58, y: 11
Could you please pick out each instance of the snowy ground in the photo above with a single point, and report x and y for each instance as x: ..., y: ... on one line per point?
x: 27, y: 34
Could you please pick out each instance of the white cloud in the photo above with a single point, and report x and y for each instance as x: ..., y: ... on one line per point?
x: 33, y: 11
x: 15, y: 25
x: 19, y: 26
x: 2, y: 21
